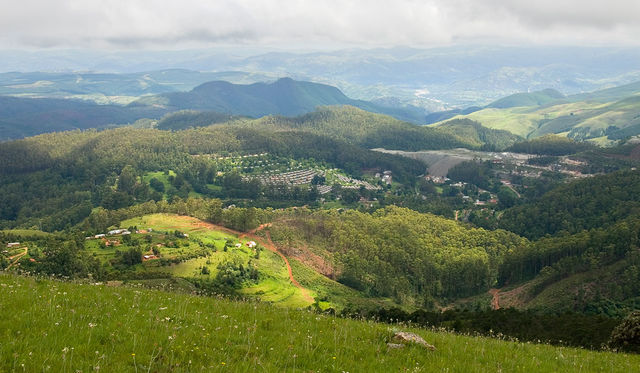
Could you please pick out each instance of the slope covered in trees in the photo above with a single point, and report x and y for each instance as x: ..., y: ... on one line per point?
x: 364, y: 128
x: 53, y: 180
x: 413, y: 258
x: 550, y: 145
x: 23, y: 117
x: 595, y: 202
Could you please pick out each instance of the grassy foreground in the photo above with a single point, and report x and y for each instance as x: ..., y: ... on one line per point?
x: 70, y: 327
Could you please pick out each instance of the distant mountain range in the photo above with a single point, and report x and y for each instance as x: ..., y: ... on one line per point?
x: 601, y: 116
x: 435, y: 79
x: 24, y: 116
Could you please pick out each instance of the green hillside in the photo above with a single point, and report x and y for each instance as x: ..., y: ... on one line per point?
x: 527, y: 99
x: 360, y: 127
x: 416, y: 259
x: 479, y: 135
x: 118, y: 329
x: 610, y: 114
x: 609, y: 94
x: 61, y: 177
x: 181, y: 120
x: 594, y: 202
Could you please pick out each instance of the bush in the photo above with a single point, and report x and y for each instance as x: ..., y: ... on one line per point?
x: 626, y: 336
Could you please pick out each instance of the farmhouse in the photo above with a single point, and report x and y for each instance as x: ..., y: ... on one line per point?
x: 13, y: 244
x: 251, y: 244
x: 118, y: 231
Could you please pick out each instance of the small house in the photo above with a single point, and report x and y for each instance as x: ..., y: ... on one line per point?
x: 13, y: 244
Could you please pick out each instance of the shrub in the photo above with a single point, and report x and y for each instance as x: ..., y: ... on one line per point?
x: 626, y: 336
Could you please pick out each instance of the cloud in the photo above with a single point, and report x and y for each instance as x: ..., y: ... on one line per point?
x: 194, y: 23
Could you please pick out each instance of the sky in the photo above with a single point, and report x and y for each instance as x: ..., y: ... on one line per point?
x: 182, y: 24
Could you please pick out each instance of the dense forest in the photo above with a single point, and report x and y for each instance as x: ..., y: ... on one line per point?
x: 363, y: 128
x: 551, y: 145
x: 585, y: 204
x: 395, y: 252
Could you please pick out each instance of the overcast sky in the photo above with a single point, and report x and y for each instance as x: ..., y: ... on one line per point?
x: 179, y: 24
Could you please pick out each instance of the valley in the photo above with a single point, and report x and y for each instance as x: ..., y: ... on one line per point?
x: 304, y: 211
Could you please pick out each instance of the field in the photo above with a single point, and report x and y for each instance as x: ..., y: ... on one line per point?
x: 274, y: 284
x: 133, y: 329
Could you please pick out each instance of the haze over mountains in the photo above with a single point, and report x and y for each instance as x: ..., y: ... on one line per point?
x: 436, y: 79
x: 21, y: 117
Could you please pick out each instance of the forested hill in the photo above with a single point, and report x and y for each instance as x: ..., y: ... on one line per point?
x: 285, y: 96
x: 23, y: 117
x: 56, y: 179
x: 363, y: 128
x: 590, y: 203
x: 550, y: 145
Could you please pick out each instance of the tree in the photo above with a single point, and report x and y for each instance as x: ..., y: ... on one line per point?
x: 626, y: 336
x: 507, y: 197
x: 127, y: 180
x: 157, y: 185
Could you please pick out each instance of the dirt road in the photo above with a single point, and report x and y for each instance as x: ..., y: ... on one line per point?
x: 17, y: 257
x: 495, y: 302
x: 272, y: 247
x: 268, y: 243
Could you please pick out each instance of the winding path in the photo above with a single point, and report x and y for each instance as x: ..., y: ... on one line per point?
x: 272, y: 247
x: 17, y: 257
x: 268, y: 243
x: 495, y: 301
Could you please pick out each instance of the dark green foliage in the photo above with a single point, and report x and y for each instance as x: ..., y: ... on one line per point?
x: 557, y: 257
x: 543, y: 160
x: 233, y: 273
x: 400, y: 253
x: 507, y: 197
x: 626, y: 336
x: 22, y: 117
x: 482, y: 137
x: 594, y: 202
x: 568, y: 328
x: 131, y: 257
x: 60, y: 256
x: 551, y: 145
x: 472, y: 172
x: 187, y: 119
x: 156, y: 185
